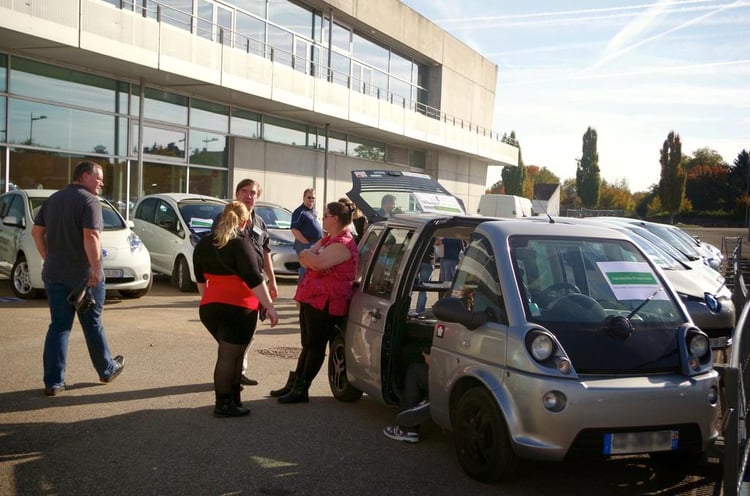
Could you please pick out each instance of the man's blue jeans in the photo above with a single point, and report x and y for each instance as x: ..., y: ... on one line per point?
x: 425, y: 274
x: 62, y: 314
x: 298, y: 247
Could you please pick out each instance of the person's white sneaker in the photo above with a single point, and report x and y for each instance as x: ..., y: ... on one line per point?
x: 395, y: 432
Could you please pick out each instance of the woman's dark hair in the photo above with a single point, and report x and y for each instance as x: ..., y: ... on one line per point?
x: 343, y: 209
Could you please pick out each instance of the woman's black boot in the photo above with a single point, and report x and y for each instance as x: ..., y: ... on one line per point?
x: 287, y: 387
x: 298, y: 393
x: 225, y: 407
x: 236, y: 394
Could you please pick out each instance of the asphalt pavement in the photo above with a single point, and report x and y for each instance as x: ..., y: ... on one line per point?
x: 151, y: 431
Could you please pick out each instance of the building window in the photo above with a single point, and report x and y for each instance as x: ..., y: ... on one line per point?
x: 164, y: 142
x: 3, y: 73
x: 363, y: 148
x: 245, y: 123
x: 281, y: 131
x: 209, y: 149
x: 209, y: 182
x: 209, y: 115
x: 166, y: 107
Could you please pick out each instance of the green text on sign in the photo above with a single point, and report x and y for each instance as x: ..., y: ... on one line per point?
x: 639, y: 278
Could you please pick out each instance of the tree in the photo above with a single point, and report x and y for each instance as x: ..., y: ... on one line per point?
x: 672, y: 179
x: 514, y: 177
x: 587, y: 171
x: 616, y: 196
x: 739, y: 183
x: 568, y: 196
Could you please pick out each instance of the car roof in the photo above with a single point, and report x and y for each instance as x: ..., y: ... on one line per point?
x: 179, y: 197
x: 425, y: 193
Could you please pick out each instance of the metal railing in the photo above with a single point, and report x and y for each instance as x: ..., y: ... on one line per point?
x: 307, y: 64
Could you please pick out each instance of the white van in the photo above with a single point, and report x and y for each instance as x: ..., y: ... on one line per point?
x: 504, y: 206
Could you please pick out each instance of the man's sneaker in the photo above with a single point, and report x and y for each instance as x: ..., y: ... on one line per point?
x: 119, y: 365
x: 53, y: 391
x: 395, y: 432
x: 415, y: 416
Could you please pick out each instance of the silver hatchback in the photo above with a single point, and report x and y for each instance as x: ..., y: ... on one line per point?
x: 551, y: 340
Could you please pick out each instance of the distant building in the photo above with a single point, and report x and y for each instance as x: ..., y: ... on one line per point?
x: 192, y: 96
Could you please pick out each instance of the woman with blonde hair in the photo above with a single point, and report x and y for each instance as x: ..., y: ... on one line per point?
x: 232, y: 288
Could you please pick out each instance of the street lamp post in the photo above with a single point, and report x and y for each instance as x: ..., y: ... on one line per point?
x: 31, y: 125
x: 207, y: 141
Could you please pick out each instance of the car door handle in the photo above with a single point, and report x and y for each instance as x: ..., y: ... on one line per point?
x: 375, y: 314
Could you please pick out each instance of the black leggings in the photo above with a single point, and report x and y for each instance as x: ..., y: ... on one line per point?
x: 317, y: 328
x: 233, y: 328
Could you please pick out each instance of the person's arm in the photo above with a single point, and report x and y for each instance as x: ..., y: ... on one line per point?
x: 264, y: 297
x: 299, y: 237
x: 201, y: 288
x: 92, y: 245
x: 333, y: 254
x: 40, y: 241
x: 246, y: 267
x: 270, y: 276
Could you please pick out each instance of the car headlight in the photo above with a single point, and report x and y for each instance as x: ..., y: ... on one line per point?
x: 712, y: 302
x: 698, y: 345
x: 135, y: 242
x: 541, y: 347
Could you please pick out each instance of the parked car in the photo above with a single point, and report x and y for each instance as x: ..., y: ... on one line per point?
x: 127, y: 264
x: 171, y: 224
x: 551, y: 340
x: 278, y: 221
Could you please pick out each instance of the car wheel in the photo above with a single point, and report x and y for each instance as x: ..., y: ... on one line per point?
x: 481, y: 437
x: 337, y: 380
x: 181, y: 276
x: 21, y: 279
x: 137, y: 293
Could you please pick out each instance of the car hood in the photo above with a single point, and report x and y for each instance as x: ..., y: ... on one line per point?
x: 283, y: 235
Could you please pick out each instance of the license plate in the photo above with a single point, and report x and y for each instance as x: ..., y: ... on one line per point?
x: 114, y: 273
x: 616, y: 443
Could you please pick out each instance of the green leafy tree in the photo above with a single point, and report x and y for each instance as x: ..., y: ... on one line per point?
x: 739, y: 183
x: 588, y: 178
x: 569, y: 196
x: 672, y: 179
x: 514, y: 177
x: 616, y: 196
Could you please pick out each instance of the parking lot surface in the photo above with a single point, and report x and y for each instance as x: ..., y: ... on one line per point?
x: 152, y: 431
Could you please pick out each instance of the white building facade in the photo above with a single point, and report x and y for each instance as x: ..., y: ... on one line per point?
x: 195, y: 95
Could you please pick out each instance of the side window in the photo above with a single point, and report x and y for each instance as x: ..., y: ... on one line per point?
x: 5, y: 204
x: 365, y: 248
x: 146, y: 210
x: 166, y: 217
x: 388, y: 260
x: 477, y: 282
x: 17, y: 209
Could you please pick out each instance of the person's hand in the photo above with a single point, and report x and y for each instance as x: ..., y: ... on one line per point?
x: 427, y: 358
x: 273, y: 316
x: 95, y: 277
x: 273, y: 290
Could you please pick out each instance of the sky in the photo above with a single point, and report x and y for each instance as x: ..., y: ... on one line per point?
x: 631, y: 70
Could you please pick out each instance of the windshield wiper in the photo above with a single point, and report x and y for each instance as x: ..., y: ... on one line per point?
x: 643, y: 303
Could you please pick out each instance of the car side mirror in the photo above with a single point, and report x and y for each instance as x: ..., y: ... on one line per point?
x: 130, y: 224
x: 12, y: 221
x: 452, y: 309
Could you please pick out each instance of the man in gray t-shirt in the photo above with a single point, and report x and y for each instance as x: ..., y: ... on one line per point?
x: 66, y: 232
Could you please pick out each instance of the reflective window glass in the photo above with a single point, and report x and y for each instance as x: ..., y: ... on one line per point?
x: 362, y: 148
x: 3, y: 131
x: 282, y: 43
x: 209, y: 115
x: 30, y: 169
x: 209, y: 149
x: 251, y: 34
x: 51, y: 126
x: 164, y: 142
x: 3, y: 73
x: 121, y: 134
x: 209, y: 182
x: 205, y: 20
x: 336, y: 141
x: 4, y: 185
x: 33, y: 79
x: 417, y: 159
x: 400, y: 92
x: 116, y: 186
x: 121, y: 101
x: 401, y: 67
x: 369, y: 52
x: 340, y: 66
x: 291, y: 16
x: 341, y: 37
x: 386, y: 271
x: 257, y: 7
x: 135, y: 100
x: 281, y: 131
x: 165, y: 106
x: 476, y: 282
x: 164, y: 178
x: 177, y: 13
x: 245, y: 123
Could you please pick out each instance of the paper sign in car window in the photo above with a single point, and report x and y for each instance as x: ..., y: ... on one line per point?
x: 631, y: 280
x: 197, y: 223
x: 441, y: 204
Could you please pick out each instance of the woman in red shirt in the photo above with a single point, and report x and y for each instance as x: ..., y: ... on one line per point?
x: 323, y: 295
x: 232, y: 286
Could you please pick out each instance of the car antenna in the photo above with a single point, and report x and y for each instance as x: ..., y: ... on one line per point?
x: 551, y: 220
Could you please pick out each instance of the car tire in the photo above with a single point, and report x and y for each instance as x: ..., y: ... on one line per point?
x: 181, y: 276
x: 132, y: 294
x: 21, y: 279
x: 337, y: 379
x: 481, y: 437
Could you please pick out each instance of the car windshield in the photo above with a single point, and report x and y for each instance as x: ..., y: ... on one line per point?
x: 576, y: 282
x: 200, y: 215
x: 112, y: 220
x: 274, y: 217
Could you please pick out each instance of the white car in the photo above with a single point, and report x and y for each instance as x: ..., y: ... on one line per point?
x: 279, y: 224
x: 127, y: 264
x: 170, y: 225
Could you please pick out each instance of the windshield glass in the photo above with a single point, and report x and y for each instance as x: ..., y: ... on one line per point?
x: 580, y: 282
x: 200, y: 215
x: 274, y: 217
